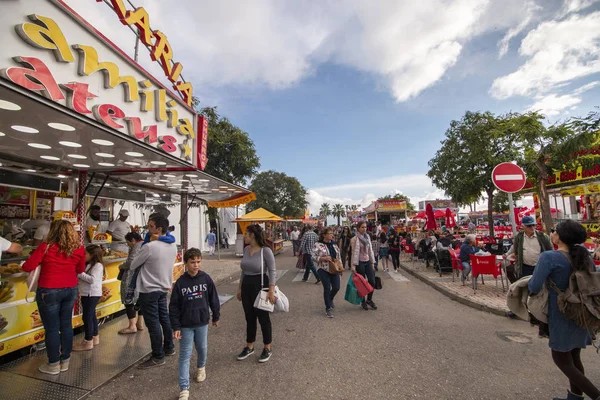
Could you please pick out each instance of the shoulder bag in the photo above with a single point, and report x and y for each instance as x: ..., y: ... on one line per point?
x: 335, y: 265
x: 261, y: 302
x: 34, y: 277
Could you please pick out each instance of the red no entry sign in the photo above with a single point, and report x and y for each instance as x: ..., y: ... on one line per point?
x: 508, y: 177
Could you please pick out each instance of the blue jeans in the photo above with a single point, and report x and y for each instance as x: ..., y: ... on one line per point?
x: 295, y: 246
x: 309, y: 266
x: 189, y: 337
x: 466, y: 269
x: 56, y: 311
x: 331, y: 285
x: 376, y: 262
x: 156, y: 318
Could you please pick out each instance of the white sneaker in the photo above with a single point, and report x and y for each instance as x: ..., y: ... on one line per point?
x: 184, y: 395
x: 201, y: 376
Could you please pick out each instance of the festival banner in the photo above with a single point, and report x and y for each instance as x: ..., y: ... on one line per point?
x: 232, y: 202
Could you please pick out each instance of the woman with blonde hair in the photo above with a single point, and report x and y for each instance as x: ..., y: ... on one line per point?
x: 60, y: 258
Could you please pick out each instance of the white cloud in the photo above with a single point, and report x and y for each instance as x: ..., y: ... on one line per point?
x: 553, y: 104
x: 530, y: 11
x: 416, y: 187
x: 558, y: 52
x: 407, y: 46
x: 573, y: 6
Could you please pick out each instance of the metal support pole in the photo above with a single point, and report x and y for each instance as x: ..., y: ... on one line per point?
x: 183, y: 223
x: 218, y: 236
x: 564, y: 207
x: 81, y: 208
x: 511, y: 216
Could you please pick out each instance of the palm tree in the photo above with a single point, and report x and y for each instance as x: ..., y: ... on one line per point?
x: 325, y: 211
x: 338, y: 212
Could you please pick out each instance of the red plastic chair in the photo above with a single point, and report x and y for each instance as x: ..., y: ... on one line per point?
x: 485, y: 265
x: 456, y: 263
x: 409, y: 249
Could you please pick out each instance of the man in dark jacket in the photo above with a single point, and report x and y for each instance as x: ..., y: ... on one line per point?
x: 527, y: 247
x: 193, y: 297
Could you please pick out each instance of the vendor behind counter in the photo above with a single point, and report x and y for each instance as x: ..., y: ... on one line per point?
x: 118, y: 229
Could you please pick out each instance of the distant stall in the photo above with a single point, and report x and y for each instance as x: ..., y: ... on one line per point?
x: 260, y: 216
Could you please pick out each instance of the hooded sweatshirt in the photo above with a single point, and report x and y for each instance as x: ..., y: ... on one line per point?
x: 192, y: 299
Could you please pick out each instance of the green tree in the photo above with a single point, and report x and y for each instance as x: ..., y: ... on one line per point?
x: 325, y: 211
x: 231, y: 153
x: 399, y: 196
x: 545, y: 149
x: 463, y: 166
x: 278, y: 193
x: 338, y: 212
x: 501, y: 201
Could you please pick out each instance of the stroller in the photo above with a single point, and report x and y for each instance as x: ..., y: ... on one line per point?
x: 425, y: 253
x: 443, y: 261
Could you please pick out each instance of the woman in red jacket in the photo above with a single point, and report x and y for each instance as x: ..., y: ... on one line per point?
x: 61, y: 258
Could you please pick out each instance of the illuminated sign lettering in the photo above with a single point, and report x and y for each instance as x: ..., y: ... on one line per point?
x: 203, y: 133
x: 34, y: 75
x: 160, y: 48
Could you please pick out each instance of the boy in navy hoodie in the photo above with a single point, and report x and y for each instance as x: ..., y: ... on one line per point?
x: 192, y: 296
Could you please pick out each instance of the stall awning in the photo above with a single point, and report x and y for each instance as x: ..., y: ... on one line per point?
x: 260, y: 215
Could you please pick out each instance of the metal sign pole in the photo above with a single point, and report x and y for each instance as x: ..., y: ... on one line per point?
x: 511, y: 216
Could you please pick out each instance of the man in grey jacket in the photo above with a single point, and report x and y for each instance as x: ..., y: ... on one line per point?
x: 156, y: 260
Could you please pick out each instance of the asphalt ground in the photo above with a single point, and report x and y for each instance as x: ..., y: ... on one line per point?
x: 419, y: 344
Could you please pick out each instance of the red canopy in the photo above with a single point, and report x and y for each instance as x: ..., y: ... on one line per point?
x: 420, y: 215
x: 439, y: 214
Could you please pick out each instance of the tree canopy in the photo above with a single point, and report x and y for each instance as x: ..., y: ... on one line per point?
x: 545, y: 149
x: 325, y: 211
x: 338, y: 211
x: 399, y: 196
x: 278, y: 193
x: 463, y: 166
x: 231, y: 153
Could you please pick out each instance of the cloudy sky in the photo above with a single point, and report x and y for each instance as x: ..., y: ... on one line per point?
x: 353, y: 97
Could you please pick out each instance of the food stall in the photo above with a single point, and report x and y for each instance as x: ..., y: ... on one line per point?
x: 82, y: 124
x: 269, y: 220
x: 389, y: 212
x: 574, y: 194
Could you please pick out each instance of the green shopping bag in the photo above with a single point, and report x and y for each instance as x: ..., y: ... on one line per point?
x: 351, y: 295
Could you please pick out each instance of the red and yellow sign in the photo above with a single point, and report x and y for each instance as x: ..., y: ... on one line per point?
x: 203, y: 136
x: 390, y: 205
x: 234, y: 201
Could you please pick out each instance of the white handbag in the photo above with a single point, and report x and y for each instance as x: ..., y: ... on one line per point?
x: 282, y: 304
x: 33, y: 278
x: 261, y: 302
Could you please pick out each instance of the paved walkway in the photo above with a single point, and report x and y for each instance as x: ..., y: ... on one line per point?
x: 488, y: 297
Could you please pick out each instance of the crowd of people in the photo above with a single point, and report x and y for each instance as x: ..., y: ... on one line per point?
x: 69, y: 270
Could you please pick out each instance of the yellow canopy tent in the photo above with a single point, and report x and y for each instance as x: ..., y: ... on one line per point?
x: 260, y: 215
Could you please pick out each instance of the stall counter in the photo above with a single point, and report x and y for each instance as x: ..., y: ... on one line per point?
x: 20, y: 322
